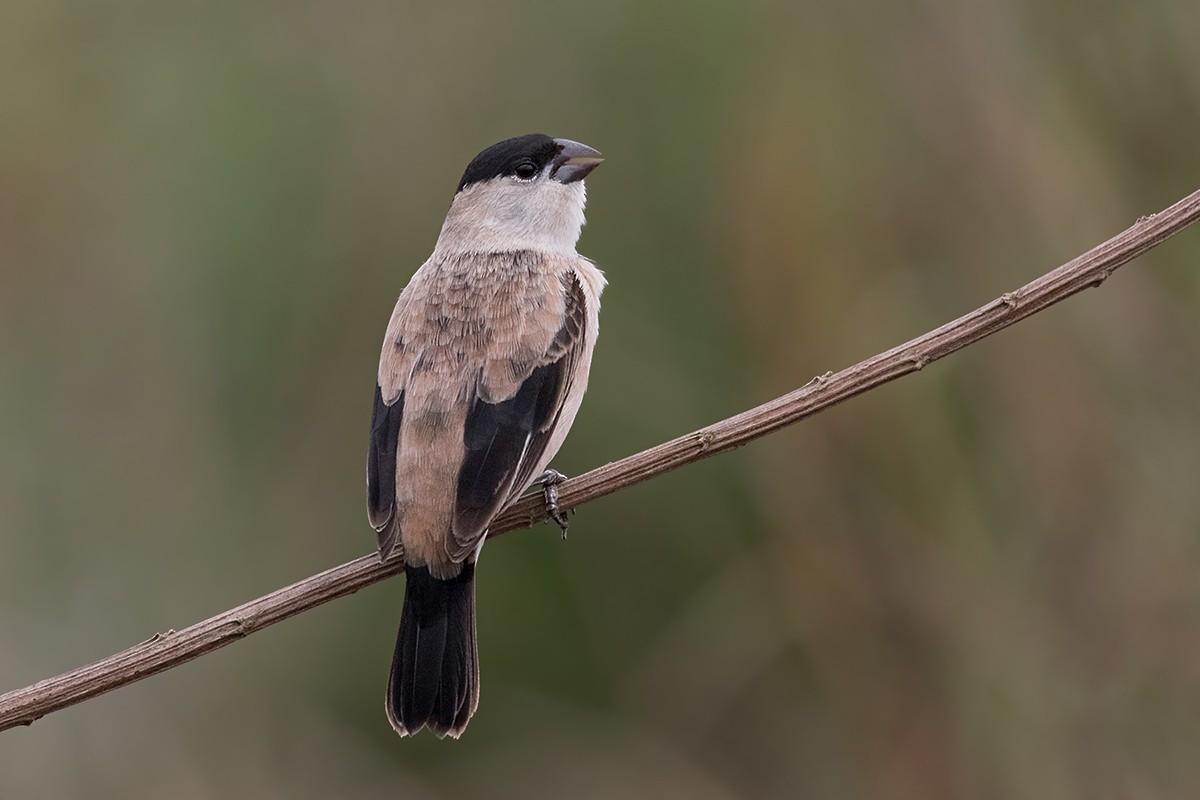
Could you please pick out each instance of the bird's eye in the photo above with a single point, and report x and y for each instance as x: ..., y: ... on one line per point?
x: 526, y: 170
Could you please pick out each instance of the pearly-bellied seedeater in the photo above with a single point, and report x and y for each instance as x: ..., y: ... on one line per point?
x: 482, y: 371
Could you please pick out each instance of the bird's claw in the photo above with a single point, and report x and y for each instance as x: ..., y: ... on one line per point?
x: 550, y: 479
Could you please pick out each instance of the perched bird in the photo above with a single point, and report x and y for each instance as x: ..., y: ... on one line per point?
x: 483, y: 368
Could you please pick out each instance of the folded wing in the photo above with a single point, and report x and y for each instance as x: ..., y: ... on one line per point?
x: 506, y: 439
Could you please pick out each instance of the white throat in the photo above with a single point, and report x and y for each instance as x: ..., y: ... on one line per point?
x: 503, y: 215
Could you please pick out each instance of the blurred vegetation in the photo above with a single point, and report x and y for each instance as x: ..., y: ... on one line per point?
x: 979, y: 582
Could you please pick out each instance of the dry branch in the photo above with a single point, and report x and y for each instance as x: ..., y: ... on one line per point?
x: 164, y: 651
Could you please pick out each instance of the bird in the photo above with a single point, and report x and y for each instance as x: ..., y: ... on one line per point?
x: 481, y: 374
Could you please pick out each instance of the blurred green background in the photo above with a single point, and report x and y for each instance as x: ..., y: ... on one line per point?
x: 980, y: 582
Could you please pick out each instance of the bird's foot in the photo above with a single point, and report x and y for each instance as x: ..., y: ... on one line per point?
x: 550, y: 479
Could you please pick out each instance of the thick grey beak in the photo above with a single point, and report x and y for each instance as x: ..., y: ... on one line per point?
x: 574, y: 161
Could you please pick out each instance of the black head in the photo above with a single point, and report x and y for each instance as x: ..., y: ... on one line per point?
x: 526, y: 157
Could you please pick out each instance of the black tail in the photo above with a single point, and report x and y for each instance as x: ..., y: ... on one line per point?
x: 435, y: 672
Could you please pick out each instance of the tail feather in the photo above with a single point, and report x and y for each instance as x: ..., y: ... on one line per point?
x: 435, y: 672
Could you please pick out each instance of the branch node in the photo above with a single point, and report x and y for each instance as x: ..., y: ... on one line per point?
x: 1010, y: 299
x: 237, y: 628
x: 157, y: 637
x: 1101, y: 277
x: 705, y: 439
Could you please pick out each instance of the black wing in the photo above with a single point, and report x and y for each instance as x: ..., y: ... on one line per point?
x: 381, y: 469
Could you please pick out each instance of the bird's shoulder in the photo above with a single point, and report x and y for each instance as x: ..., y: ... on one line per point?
x: 495, y: 316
